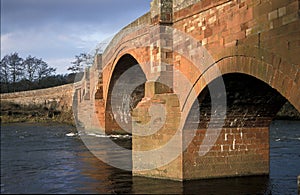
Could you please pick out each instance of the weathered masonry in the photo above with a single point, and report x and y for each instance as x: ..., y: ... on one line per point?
x: 204, y: 81
x: 197, y: 83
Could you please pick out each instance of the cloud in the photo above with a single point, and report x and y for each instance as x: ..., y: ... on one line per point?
x: 61, y: 64
x: 35, y: 43
x: 50, y: 41
x: 109, y: 14
x: 58, y: 30
x: 56, y: 55
x: 56, y: 47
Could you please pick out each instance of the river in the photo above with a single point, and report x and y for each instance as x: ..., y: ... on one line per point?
x: 46, y: 158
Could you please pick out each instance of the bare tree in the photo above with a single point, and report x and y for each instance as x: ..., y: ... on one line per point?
x: 4, y: 73
x: 81, y: 61
x: 32, y: 73
x: 43, y: 70
x: 13, y: 64
x: 31, y: 65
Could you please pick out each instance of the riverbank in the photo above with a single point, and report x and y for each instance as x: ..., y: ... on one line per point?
x: 12, y: 112
x: 16, y: 113
x: 42, y: 105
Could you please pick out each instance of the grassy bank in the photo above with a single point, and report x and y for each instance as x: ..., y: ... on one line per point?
x: 15, y: 113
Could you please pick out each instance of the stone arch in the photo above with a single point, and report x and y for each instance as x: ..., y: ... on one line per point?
x: 242, y: 91
x: 256, y: 91
x: 124, y: 75
x: 140, y: 54
x: 284, y: 78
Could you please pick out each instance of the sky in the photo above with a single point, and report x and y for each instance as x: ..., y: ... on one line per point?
x: 57, y: 30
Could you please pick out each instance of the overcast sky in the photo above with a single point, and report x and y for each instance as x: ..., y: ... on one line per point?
x: 57, y: 30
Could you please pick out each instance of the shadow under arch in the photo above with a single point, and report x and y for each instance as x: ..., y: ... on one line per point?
x: 126, y: 89
x: 242, y: 147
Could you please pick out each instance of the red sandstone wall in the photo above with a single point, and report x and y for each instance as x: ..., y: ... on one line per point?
x: 254, y: 37
x: 265, y: 32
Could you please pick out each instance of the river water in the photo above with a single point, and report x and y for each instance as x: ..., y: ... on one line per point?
x: 46, y: 158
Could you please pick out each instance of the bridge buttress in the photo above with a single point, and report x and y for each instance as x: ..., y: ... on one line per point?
x: 159, y: 110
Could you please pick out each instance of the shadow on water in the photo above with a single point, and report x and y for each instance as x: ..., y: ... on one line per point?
x: 242, y: 185
x: 108, y: 179
x: 284, y: 136
x: 239, y: 185
x: 118, y: 181
x: 42, y: 159
x: 102, y: 178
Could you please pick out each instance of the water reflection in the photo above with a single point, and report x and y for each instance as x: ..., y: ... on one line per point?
x: 104, y: 178
x: 42, y: 159
x: 240, y: 185
x: 118, y: 181
x: 113, y: 180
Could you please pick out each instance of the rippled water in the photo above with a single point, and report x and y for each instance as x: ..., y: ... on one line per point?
x: 38, y: 158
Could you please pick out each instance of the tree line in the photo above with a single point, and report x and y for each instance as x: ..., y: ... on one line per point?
x: 18, y: 74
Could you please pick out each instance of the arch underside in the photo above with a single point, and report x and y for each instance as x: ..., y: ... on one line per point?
x: 123, y: 95
x: 283, y: 77
x: 242, y: 146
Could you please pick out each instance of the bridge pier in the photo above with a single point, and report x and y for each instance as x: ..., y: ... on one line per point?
x: 156, y: 141
x: 236, y: 146
x: 237, y: 151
